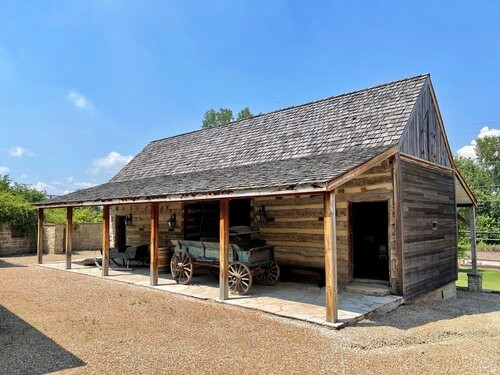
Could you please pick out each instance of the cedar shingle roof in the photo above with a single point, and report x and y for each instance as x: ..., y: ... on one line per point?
x: 302, y: 146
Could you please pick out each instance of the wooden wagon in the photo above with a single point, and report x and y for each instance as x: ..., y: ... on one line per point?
x: 246, y: 262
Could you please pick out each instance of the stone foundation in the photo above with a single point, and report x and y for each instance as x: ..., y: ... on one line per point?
x: 475, y: 282
x: 445, y: 292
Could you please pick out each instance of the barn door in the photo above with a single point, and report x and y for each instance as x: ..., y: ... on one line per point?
x: 370, y: 250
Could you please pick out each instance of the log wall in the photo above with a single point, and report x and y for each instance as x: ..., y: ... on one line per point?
x: 429, y: 228
x: 376, y: 184
x: 423, y: 137
x: 138, y: 231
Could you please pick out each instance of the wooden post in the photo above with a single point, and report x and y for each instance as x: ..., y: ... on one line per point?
x: 330, y: 229
x: 39, y: 242
x: 69, y: 236
x: 105, y: 240
x: 398, y: 225
x: 224, y: 249
x: 153, y: 246
x: 472, y: 227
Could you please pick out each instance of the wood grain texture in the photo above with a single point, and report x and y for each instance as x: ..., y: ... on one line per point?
x: 105, y: 240
x: 330, y: 257
x: 424, y: 137
x: 69, y: 236
x: 224, y: 249
x: 429, y: 228
x: 39, y: 240
x: 153, y: 244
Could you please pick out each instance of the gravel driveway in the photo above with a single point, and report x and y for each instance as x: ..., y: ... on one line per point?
x: 59, y: 321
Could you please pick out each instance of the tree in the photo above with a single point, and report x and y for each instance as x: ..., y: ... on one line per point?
x: 223, y: 116
x: 488, y: 155
x: 214, y: 118
x: 244, y: 114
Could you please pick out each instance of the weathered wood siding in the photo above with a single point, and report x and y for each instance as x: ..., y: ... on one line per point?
x: 429, y: 228
x: 138, y: 231
x: 423, y: 137
x: 296, y: 229
x: 376, y: 184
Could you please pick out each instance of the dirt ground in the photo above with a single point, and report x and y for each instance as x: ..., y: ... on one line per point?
x: 57, y: 321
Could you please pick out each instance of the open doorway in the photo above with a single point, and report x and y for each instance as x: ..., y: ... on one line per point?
x: 369, y: 228
x: 120, y: 231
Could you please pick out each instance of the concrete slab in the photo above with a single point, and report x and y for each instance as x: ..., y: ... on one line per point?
x: 287, y: 299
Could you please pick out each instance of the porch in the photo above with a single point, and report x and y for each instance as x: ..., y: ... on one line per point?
x: 301, y: 301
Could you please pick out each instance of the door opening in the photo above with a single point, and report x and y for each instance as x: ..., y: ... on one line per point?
x: 120, y: 232
x: 369, y: 228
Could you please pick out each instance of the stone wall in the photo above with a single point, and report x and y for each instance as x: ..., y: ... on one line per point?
x: 53, y: 238
x: 87, y: 236
x: 10, y: 244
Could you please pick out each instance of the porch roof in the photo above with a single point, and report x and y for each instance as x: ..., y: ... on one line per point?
x: 295, y: 149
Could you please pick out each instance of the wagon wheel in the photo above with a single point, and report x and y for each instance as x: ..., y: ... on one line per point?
x: 181, y: 267
x: 240, y: 278
x: 269, y: 275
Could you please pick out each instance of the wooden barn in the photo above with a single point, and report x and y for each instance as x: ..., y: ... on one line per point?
x: 359, y: 187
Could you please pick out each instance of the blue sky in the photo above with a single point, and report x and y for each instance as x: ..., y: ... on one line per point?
x: 86, y: 84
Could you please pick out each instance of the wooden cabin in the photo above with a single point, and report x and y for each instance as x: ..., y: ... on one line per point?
x: 359, y: 186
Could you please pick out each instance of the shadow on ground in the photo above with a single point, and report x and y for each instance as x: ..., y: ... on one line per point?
x: 26, y: 350
x: 411, y: 316
x: 4, y: 264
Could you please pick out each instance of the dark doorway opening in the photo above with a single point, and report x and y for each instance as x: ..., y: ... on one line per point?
x: 120, y: 231
x: 370, y: 240
x: 201, y: 220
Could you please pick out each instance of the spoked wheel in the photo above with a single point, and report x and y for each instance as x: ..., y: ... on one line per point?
x: 181, y: 267
x: 240, y: 278
x: 269, y: 274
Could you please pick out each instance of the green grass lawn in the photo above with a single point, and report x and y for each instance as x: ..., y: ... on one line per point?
x: 491, y: 278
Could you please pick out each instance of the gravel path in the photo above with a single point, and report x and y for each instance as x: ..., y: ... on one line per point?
x: 56, y: 321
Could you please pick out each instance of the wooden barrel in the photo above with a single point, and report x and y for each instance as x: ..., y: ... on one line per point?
x: 164, y: 257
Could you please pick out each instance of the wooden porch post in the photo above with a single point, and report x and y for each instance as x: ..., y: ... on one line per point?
x: 69, y: 236
x: 39, y: 242
x: 329, y: 222
x: 153, y: 246
x: 224, y: 249
x: 105, y: 241
x: 472, y: 226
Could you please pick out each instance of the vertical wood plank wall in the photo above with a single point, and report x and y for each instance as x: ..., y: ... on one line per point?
x: 376, y: 184
x: 138, y: 233
x: 429, y: 228
x: 423, y: 137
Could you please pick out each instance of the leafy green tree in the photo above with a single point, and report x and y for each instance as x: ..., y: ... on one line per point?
x: 488, y: 154
x: 223, y: 116
x: 244, y: 114
x: 214, y: 118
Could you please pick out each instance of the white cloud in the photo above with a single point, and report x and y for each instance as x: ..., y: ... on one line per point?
x: 20, y: 152
x: 79, y: 100
x: 61, y: 188
x: 84, y: 185
x: 4, y: 170
x: 469, y: 151
x: 111, y: 163
x: 24, y: 176
x: 42, y: 186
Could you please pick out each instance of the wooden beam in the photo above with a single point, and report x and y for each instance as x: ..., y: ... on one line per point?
x: 472, y: 226
x: 105, y: 240
x: 335, y: 183
x: 39, y: 242
x: 69, y: 236
x: 463, y: 220
x: 224, y: 249
x: 153, y: 246
x: 329, y: 222
x: 423, y: 162
x: 398, y: 220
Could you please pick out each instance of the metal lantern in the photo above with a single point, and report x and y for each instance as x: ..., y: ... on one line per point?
x: 172, y: 222
x: 128, y: 219
x: 261, y: 216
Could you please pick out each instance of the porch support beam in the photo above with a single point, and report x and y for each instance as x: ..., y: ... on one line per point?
x: 330, y: 230
x: 105, y: 240
x: 472, y: 226
x: 153, y: 246
x: 224, y: 249
x: 69, y: 236
x: 39, y: 242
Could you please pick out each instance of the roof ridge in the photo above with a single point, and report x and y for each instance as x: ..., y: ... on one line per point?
x: 295, y: 106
